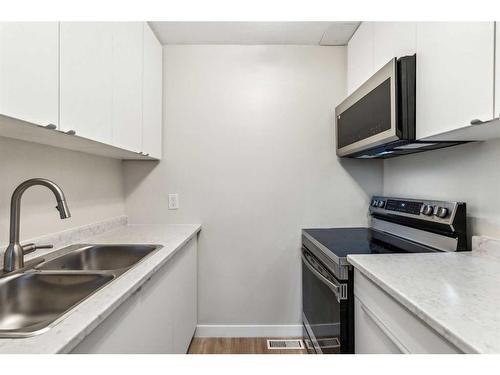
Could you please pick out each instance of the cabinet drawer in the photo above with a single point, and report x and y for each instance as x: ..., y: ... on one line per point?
x: 400, y: 330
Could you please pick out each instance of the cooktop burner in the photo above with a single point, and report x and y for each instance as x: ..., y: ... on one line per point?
x: 345, y: 241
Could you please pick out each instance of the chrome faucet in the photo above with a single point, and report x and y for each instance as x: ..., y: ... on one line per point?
x: 14, y: 255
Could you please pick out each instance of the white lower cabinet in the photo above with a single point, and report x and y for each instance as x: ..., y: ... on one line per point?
x: 370, y: 335
x: 160, y: 317
x: 383, y: 325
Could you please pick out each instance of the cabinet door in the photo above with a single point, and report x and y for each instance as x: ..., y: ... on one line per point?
x: 152, y: 95
x: 127, y: 85
x: 383, y: 325
x: 360, y: 56
x: 86, y: 79
x: 393, y: 39
x: 370, y: 338
x: 497, y: 71
x: 454, y: 75
x: 185, y: 297
x: 29, y: 71
x: 160, y: 317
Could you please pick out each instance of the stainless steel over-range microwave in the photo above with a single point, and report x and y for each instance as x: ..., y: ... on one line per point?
x: 379, y: 116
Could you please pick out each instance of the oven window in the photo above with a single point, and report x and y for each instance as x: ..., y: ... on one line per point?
x: 367, y: 117
x: 322, y: 310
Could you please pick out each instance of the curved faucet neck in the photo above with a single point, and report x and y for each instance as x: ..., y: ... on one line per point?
x: 13, y: 257
x: 15, y: 204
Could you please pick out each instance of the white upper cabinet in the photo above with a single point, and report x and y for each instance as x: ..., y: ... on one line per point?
x: 360, y: 56
x: 29, y: 71
x: 392, y: 39
x: 102, y: 80
x: 373, y: 45
x: 497, y: 71
x: 152, y: 95
x: 127, y: 85
x: 455, y: 75
x: 455, y: 69
x: 86, y: 79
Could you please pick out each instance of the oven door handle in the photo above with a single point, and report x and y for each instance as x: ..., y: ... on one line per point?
x: 334, y: 287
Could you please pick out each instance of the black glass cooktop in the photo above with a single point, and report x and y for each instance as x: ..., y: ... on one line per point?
x: 345, y: 241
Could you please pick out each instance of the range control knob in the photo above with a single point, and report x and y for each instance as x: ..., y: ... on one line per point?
x: 381, y: 204
x: 374, y: 203
x: 441, y: 212
x: 427, y: 210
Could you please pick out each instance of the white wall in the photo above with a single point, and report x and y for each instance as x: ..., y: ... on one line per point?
x: 467, y: 173
x: 249, y: 147
x: 93, y: 187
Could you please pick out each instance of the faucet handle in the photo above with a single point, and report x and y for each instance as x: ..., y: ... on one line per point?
x: 30, y: 247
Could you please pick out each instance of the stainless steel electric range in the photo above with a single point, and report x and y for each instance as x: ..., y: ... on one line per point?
x: 397, y: 225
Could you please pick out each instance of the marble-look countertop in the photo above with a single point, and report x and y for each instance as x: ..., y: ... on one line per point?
x: 457, y: 294
x: 81, y: 320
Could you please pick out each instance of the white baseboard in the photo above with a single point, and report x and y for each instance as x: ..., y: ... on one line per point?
x: 212, y: 330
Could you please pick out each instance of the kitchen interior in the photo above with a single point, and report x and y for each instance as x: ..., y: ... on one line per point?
x: 326, y: 187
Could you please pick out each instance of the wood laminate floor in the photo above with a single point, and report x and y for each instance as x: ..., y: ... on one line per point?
x: 235, y: 345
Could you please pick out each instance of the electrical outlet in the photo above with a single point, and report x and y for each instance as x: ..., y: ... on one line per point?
x: 173, y: 201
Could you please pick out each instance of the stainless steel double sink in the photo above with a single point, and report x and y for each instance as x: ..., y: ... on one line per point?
x: 35, y: 299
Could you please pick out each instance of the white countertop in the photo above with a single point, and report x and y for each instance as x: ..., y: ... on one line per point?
x: 80, y: 321
x: 457, y: 294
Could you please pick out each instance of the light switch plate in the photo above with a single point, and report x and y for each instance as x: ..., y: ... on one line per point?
x: 173, y: 201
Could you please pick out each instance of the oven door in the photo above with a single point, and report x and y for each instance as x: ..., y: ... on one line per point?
x: 324, y: 308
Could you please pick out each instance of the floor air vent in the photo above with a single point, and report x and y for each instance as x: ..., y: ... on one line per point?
x: 329, y: 343
x: 285, y: 344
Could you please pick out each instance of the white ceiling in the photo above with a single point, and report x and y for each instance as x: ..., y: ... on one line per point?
x: 308, y: 33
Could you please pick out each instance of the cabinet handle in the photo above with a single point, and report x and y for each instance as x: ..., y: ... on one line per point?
x: 384, y: 329
x: 480, y: 122
x: 51, y: 126
x: 71, y: 132
x: 476, y: 121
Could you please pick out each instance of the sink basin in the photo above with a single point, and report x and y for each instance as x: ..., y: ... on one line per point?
x: 99, y: 258
x: 30, y: 302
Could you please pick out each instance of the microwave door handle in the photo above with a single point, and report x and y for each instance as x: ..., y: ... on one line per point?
x: 335, y: 288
